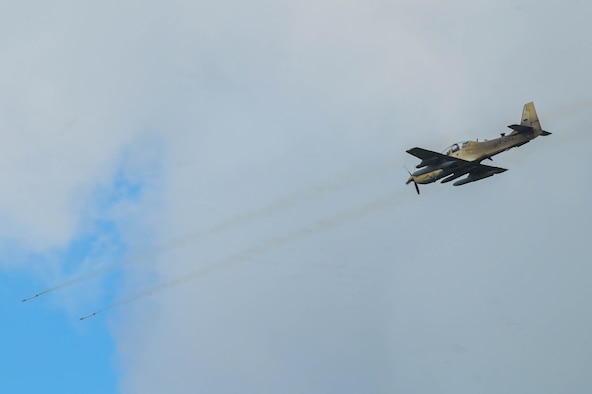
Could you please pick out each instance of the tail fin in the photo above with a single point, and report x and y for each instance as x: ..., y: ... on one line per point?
x: 530, y: 119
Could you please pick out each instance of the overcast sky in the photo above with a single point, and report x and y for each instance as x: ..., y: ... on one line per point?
x: 229, y: 176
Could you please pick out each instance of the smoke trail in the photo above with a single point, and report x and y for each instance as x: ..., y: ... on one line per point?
x: 348, y: 181
x: 63, y: 285
x: 278, y: 206
x: 568, y: 110
x: 318, y: 227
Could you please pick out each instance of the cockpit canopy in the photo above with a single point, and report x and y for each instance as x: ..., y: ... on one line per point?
x: 454, y: 147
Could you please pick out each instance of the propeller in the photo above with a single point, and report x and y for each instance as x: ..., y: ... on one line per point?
x: 411, y: 179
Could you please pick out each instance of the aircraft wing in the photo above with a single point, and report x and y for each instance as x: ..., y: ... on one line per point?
x: 477, y: 172
x: 454, y: 167
x: 429, y: 157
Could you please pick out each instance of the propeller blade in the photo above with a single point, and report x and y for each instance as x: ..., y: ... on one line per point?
x: 411, y: 179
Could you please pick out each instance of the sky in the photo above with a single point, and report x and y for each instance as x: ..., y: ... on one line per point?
x: 223, y: 183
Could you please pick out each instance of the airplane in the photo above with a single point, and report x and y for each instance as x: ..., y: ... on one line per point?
x: 465, y: 157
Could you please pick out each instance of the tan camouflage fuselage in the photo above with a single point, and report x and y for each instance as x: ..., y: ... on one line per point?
x: 474, y: 151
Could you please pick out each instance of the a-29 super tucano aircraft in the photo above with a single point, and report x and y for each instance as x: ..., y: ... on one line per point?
x: 465, y: 157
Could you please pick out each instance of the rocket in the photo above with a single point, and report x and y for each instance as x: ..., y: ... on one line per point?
x: 87, y: 316
x: 30, y: 298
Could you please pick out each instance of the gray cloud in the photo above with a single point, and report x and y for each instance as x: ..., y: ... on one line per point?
x: 478, y: 288
x: 438, y: 293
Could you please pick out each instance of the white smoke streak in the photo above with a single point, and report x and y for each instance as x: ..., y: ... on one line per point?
x: 318, y: 227
x: 276, y: 207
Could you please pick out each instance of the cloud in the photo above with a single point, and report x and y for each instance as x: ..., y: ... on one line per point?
x: 170, y: 120
x: 285, y: 97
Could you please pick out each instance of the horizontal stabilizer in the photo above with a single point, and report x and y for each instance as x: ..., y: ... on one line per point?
x: 545, y: 133
x: 520, y: 128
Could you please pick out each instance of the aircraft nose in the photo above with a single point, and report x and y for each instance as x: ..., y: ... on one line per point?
x: 409, y: 180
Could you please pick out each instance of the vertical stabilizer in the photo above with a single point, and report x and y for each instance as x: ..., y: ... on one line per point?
x: 530, y: 119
